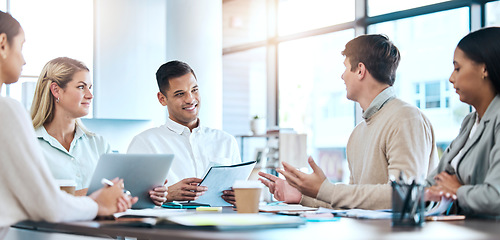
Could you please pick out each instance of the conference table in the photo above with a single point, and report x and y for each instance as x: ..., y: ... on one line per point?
x: 344, y: 228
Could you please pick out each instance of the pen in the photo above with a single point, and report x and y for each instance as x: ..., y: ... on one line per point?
x: 105, y: 181
x: 402, y: 177
x: 407, y: 200
x: 398, y: 189
x: 416, y: 203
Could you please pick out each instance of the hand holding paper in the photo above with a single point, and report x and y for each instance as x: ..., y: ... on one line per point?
x: 228, y: 196
x: 186, y: 190
x: 221, y: 178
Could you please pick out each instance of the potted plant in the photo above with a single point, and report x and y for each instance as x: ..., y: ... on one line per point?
x: 258, y: 125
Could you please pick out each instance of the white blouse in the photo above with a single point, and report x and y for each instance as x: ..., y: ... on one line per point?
x: 27, y: 189
x: 455, y: 160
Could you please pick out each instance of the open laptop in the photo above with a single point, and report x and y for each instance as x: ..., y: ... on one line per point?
x: 140, y: 172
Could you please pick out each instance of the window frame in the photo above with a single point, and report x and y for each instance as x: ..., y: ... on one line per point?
x: 360, y: 24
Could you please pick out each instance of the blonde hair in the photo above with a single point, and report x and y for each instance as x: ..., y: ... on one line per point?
x: 61, y: 71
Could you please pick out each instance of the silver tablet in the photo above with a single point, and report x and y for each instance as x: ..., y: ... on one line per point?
x: 140, y: 172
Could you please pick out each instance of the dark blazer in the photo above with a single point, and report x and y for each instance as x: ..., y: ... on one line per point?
x: 479, y: 167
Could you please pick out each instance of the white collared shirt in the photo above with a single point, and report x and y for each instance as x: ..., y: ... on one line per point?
x: 79, y: 162
x: 194, y: 151
x: 379, y: 101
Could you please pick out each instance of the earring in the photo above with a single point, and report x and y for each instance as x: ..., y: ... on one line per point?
x: 57, y: 100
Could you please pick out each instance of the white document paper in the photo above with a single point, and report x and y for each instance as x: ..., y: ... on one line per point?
x: 223, y: 222
x: 441, y: 207
x: 359, y: 213
x: 151, y: 212
x: 220, y: 178
x: 368, y: 214
x: 285, y: 207
x: 221, y: 219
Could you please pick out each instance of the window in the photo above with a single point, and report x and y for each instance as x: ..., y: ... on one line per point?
x: 53, y: 28
x: 312, y: 96
x: 298, y: 15
x: 493, y: 13
x: 426, y: 62
x: 308, y: 65
x: 378, y: 7
x: 432, y: 95
x: 23, y: 91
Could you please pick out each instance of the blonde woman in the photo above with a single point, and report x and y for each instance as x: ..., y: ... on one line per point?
x: 62, y: 96
x: 28, y: 191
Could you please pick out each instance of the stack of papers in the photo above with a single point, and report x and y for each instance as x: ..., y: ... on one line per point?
x: 152, y: 212
x: 238, y: 221
x: 285, y: 208
x: 368, y: 214
x: 359, y: 213
x: 441, y: 207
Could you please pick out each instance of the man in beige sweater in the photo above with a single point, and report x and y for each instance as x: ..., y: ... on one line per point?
x: 393, y: 137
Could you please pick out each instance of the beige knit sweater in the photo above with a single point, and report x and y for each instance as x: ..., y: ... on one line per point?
x: 396, y: 138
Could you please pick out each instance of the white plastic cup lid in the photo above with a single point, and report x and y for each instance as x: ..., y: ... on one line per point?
x: 247, y: 184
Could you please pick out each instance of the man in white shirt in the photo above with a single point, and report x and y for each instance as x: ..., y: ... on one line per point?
x: 195, y: 147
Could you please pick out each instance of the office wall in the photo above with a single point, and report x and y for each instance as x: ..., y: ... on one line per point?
x: 117, y: 132
x: 132, y: 39
x: 130, y: 45
x: 194, y: 35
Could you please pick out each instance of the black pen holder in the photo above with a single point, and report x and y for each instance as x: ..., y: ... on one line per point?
x: 407, y: 204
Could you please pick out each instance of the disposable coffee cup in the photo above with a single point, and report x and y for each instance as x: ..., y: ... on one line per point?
x: 247, y: 195
x: 67, y: 185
